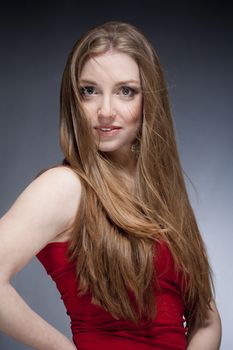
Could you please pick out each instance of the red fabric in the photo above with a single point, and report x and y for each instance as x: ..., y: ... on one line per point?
x: 93, y: 328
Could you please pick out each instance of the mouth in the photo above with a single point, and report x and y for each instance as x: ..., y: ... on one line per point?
x: 107, y: 130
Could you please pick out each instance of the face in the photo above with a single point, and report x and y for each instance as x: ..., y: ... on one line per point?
x: 112, y: 100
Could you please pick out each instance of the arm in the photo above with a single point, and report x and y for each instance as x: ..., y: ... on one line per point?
x: 209, y: 336
x: 44, y: 210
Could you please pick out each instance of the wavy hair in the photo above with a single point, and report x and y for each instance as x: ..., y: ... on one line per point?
x: 115, y: 230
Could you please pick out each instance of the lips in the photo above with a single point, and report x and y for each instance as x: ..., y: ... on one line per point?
x: 107, y: 128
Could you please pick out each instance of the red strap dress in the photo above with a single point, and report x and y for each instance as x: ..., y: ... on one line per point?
x: 93, y: 328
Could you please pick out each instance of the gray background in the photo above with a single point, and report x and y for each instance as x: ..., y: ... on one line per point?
x: 194, y: 43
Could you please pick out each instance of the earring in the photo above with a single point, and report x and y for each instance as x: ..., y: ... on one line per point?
x: 135, y: 148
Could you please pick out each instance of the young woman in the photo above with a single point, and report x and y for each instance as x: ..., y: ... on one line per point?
x: 112, y: 224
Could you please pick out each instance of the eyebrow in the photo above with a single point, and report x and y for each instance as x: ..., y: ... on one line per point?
x: 125, y: 82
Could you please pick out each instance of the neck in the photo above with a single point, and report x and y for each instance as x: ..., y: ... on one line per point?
x: 124, y: 162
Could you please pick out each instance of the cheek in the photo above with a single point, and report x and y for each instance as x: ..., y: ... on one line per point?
x: 133, y: 113
x: 89, y: 110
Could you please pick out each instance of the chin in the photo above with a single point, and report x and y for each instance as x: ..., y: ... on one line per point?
x: 108, y: 149
x: 115, y: 149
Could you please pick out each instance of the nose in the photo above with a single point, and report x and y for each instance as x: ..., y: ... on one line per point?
x: 105, y: 110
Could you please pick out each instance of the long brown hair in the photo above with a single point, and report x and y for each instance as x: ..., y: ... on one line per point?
x: 115, y: 230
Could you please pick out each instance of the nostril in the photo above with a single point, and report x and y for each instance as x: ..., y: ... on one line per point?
x: 105, y: 114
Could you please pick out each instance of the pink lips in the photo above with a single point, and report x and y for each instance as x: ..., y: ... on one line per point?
x: 107, y: 130
x: 99, y: 127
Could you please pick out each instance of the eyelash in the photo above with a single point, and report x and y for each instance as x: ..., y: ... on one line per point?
x: 85, y: 88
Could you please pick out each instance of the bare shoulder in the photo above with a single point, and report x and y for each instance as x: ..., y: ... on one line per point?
x: 58, y: 189
x: 43, y: 211
x: 64, y: 184
x: 61, y: 175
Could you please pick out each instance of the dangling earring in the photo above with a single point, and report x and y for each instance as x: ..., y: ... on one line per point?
x: 135, y: 148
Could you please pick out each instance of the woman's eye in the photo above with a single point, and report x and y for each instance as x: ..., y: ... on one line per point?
x: 87, y: 90
x: 127, y: 91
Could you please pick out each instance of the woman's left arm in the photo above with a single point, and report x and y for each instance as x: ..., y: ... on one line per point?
x: 207, y: 337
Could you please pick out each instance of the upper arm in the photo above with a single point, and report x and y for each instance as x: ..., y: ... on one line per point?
x: 41, y: 212
x: 211, y: 326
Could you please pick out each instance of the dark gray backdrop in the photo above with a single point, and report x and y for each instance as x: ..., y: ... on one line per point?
x: 194, y: 42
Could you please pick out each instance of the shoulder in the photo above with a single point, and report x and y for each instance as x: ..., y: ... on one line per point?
x: 49, y: 203
x: 64, y: 184
x: 59, y: 175
x: 61, y: 186
x: 44, y: 210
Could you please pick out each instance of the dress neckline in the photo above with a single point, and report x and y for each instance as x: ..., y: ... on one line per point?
x: 57, y: 243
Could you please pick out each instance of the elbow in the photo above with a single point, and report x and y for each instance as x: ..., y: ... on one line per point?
x: 214, y: 319
x: 4, y: 280
x: 209, y: 334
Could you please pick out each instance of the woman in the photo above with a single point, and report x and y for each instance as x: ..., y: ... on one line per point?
x: 112, y: 224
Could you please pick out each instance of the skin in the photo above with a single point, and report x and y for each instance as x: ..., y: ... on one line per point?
x: 111, y: 95
x: 39, y: 216
x: 105, y: 102
x: 209, y: 336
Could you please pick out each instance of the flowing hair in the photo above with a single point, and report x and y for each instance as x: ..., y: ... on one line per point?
x: 115, y: 230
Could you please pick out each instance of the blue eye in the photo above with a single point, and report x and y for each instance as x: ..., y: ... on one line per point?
x: 127, y: 91
x: 87, y: 90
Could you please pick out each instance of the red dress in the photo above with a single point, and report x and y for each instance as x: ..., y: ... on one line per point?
x: 93, y: 328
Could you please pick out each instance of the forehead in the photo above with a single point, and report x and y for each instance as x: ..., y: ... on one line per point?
x: 113, y: 65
